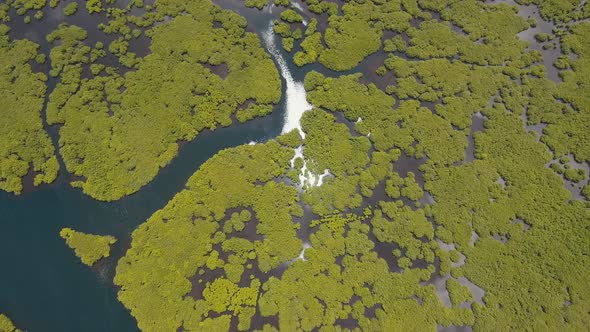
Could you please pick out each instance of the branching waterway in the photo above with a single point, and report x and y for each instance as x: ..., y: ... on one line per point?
x: 295, y: 105
x: 43, y: 285
x: 296, y: 102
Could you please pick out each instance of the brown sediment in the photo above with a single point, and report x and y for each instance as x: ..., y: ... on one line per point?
x: 220, y: 70
x: 477, y: 121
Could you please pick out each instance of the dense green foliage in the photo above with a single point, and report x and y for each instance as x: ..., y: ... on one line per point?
x: 291, y: 139
x: 201, y: 231
x: 119, y: 130
x: 71, y: 8
x: 354, y: 34
x: 527, y: 278
x: 498, y: 218
x: 155, y: 275
x: 291, y: 16
x: 6, y: 325
x: 88, y: 247
x: 319, y: 292
x: 567, y: 131
x: 23, y: 6
x: 24, y: 145
x: 94, y: 6
x: 411, y: 128
x: 489, y: 32
x: 469, y: 200
x: 256, y: 3
x: 561, y: 10
x: 328, y: 145
x: 422, y: 204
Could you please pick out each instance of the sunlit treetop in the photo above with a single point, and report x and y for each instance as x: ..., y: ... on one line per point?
x: 6, y: 325
x: 25, y: 147
x: 120, y: 129
x: 88, y: 247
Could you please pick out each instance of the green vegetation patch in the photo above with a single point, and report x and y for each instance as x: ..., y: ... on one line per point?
x: 291, y: 139
x: 561, y: 10
x: 6, y: 325
x: 205, y: 231
x: 410, y: 128
x: 567, y: 131
x: 256, y: 3
x: 342, y: 279
x: 470, y: 200
x: 170, y: 281
x: 23, y: 6
x: 291, y: 16
x: 417, y: 204
x: 119, y: 130
x: 329, y: 145
x: 25, y: 147
x: 352, y: 36
x: 88, y: 247
x: 71, y: 8
x: 472, y: 31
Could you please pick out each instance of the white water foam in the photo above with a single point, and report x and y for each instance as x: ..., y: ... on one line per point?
x: 296, y: 101
x: 306, y: 178
x: 302, y: 253
x: 322, y: 176
x: 299, y: 8
x: 296, y: 105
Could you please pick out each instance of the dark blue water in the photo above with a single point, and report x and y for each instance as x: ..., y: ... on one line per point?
x: 43, y: 285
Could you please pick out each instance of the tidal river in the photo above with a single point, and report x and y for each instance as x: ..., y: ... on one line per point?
x: 43, y: 285
x: 296, y: 103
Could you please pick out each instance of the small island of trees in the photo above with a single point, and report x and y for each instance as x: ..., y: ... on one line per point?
x: 88, y: 247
